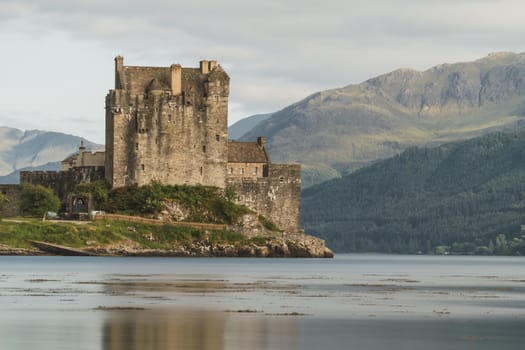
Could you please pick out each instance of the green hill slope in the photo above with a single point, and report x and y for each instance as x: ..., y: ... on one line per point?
x: 462, y: 195
x: 334, y: 132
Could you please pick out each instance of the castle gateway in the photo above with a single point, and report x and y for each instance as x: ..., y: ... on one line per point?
x: 170, y: 124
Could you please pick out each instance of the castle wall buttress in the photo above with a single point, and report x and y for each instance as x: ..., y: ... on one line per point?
x: 278, y: 196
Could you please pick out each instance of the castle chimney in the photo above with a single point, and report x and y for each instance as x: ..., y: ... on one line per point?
x: 119, y: 64
x: 212, y: 65
x: 176, y: 79
x: 204, y: 67
x: 261, y: 141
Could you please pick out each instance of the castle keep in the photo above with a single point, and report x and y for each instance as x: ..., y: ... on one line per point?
x: 170, y: 124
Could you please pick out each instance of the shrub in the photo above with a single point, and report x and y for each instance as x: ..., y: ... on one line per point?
x: 268, y: 224
x: 99, y: 191
x: 36, y: 200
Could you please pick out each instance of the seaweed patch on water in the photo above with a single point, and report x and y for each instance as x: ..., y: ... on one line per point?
x: 245, y: 311
x: 293, y: 313
x: 41, y: 280
x: 119, y: 308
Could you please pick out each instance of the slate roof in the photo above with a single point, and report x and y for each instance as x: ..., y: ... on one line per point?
x: 246, y: 152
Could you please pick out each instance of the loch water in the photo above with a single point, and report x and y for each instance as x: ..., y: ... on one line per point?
x: 350, y: 302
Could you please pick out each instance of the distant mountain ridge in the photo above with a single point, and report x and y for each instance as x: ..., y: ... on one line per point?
x: 238, y: 129
x: 14, y: 177
x: 462, y: 195
x: 21, y: 149
x: 336, y: 131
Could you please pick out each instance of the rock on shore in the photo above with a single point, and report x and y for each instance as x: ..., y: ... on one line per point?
x: 289, y: 246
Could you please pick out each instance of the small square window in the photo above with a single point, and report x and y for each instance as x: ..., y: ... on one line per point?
x: 217, y: 137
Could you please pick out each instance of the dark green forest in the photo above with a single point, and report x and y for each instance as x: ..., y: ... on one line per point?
x: 460, y: 198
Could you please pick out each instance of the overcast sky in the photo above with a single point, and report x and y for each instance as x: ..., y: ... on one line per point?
x: 57, y: 55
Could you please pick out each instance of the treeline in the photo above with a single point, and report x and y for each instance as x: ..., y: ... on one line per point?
x: 463, y: 198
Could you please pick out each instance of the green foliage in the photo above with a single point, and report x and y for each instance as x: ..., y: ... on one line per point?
x: 268, y: 224
x: 18, y: 234
x: 205, y: 204
x: 99, y: 191
x: 36, y: 200
x: 460, y: 198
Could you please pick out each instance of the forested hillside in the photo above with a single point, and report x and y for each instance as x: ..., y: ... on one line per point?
x: 460, y: 197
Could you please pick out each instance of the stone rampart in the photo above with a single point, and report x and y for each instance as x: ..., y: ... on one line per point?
x: 278, y: 196
x: 11, y: 208
x: 62, y: 182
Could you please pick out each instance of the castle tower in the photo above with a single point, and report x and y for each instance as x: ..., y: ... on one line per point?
x: 168, y: 124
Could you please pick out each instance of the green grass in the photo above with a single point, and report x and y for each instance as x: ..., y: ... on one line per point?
x: 103, y: 233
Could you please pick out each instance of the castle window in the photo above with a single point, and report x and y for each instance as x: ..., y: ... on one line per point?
x: 142, y: 166
x: 201, y: 171
x: 255, y: 170
x: 242, y: 171
x: 231, y: 170
x: 169, y: 117
x: 137, y: 146
x: 281, y: 179
x: 204, y: 148
x: 217, y: 137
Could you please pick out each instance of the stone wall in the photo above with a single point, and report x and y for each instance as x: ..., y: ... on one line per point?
x: 154, y: 134
x: 278, y: 196
x: 12, y: 208
x: 251, y: 170
x: 62, y: 182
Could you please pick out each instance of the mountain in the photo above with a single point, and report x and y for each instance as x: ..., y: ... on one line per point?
x: 337, y: 131
x: 14, y: 177
x: 462, y: 194
x: 33, y: 148
x: 238, y: 129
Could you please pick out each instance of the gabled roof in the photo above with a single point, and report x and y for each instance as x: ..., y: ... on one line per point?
x: 246, y: 152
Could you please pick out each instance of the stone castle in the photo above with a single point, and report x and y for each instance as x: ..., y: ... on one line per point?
x: 170, y: 124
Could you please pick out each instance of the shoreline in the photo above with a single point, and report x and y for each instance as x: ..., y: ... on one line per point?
x: 296, y: 246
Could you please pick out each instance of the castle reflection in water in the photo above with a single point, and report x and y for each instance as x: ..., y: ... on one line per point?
x: 195, y: 329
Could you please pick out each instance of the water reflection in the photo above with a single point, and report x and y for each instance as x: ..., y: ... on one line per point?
x: 195, y: 329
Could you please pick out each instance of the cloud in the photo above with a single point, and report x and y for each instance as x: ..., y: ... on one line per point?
x: 277, y: 52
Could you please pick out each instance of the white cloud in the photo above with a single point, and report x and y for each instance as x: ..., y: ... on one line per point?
x: 276, y: 52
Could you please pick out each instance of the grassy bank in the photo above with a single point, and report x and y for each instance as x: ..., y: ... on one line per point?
x: 18, y: 233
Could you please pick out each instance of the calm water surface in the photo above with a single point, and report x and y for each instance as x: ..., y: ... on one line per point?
x: 350, y: 302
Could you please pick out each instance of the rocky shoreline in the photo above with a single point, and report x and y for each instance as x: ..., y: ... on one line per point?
x: 288, y: 246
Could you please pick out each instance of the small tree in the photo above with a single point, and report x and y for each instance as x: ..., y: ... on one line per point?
x: 36, y: 200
